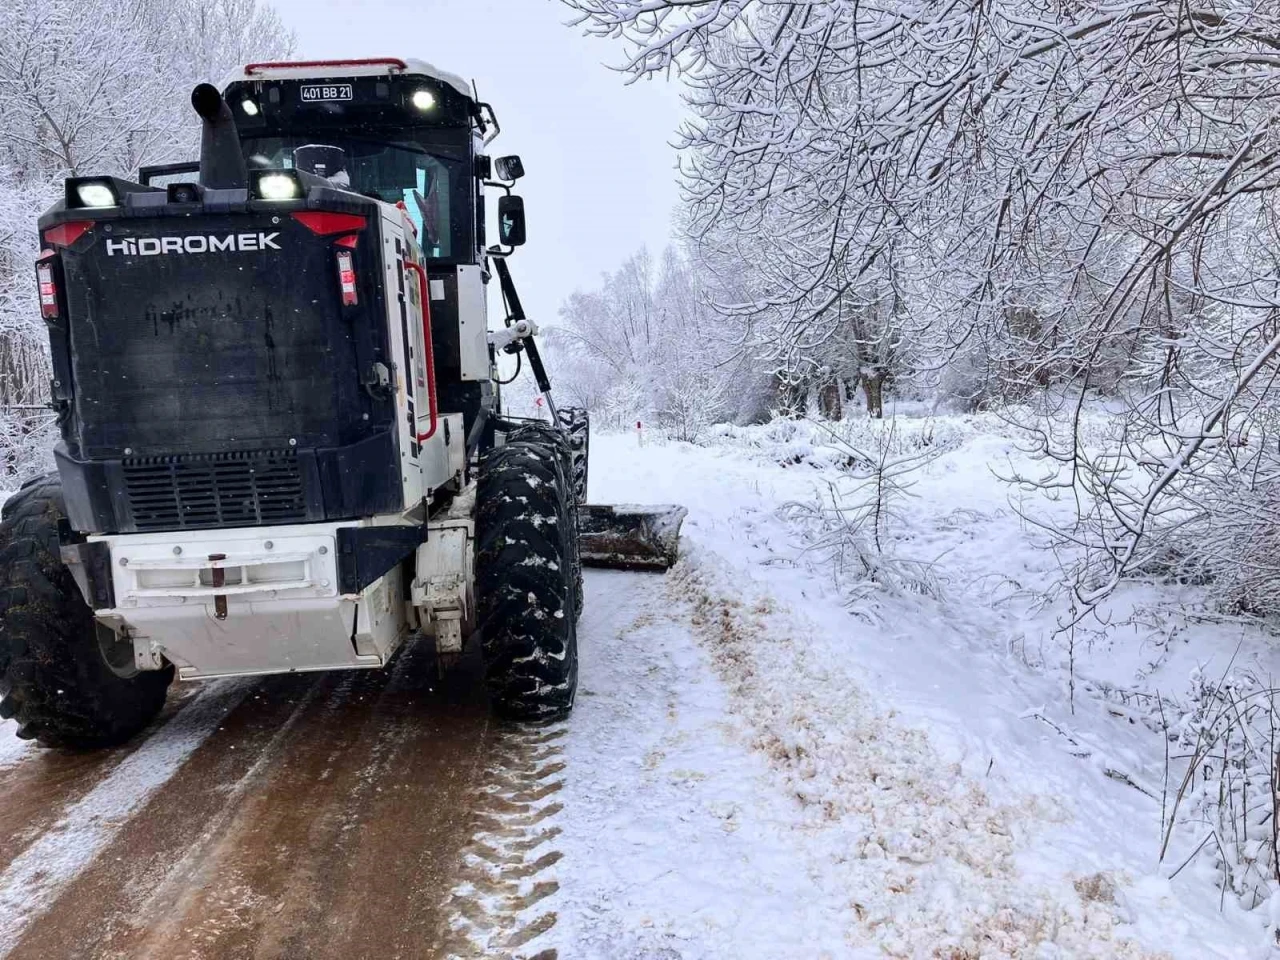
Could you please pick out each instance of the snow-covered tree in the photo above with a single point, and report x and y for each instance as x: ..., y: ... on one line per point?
x: 1068, y: 196
x: 93, y: 86
x: 646, y: 345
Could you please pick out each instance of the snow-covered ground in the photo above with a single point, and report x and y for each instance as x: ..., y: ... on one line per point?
x: 902, y: 776
x: 772, y: 759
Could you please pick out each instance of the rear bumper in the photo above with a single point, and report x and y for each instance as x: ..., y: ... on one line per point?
x: 249, y: 601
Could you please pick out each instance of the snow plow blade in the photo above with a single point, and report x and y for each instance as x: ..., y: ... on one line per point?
x: 629, y: 537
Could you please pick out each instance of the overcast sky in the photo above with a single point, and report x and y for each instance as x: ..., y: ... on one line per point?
x: 600, y: 169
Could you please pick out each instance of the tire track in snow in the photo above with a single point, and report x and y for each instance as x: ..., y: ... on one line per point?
x: 677, y: 840
x: 37, y: 792
x: 233, y: 795
x: 39, y: 785
x: 31, y: 882
x: 341, y: 843
x: 506, y: 870
x: 928, y: 860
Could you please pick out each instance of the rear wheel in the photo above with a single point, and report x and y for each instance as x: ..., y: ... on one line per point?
x: 528, y: 586
x: 66, y: 679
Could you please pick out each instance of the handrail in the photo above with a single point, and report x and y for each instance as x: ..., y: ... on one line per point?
x: 428, y: 349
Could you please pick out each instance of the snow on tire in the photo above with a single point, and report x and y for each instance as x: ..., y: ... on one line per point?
x: 528, y: 580
x: 65, y: 679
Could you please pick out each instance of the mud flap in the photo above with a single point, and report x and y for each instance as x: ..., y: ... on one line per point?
x: 628, y: 537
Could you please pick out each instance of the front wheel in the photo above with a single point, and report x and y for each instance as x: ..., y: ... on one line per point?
x: 66, y: 679
x: 527, y: 593
x: 577, y: 427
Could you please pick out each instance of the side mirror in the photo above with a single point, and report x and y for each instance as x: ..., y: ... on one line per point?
x: 511, y: 231
x: 510, y: 169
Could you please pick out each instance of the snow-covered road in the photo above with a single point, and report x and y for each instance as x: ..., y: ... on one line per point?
x: 751, y: 772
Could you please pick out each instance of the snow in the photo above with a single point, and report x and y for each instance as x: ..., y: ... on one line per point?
x: 676, y: 842
x: 31, y: 882
x: 771, y: 759
x: 12, y: 750
x: 905, y: 773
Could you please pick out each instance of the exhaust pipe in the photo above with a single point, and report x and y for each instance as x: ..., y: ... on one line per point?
x: 221, y: 161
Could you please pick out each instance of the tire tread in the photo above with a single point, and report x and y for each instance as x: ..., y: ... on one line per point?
x: 53, y: 680
x: 528, y: 580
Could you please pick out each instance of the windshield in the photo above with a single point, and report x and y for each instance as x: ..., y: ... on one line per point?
x: 431, y: 181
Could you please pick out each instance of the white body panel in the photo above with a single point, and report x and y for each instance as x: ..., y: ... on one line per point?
x: 269, y: 602
x: 473, y: 323
x: 428, y: 465
x: 283, y: 612
x: 399, y: 325
x: 444, y: 455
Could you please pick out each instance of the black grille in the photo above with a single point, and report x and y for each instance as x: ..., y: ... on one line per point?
x: 216, y: 490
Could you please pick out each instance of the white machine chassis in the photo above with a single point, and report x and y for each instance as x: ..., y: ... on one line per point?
x: 264, y: 600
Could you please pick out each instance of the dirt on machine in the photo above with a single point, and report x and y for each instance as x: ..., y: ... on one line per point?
x: 283, y: 445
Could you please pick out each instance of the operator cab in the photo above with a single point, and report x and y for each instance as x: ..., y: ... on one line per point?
x: 404, y: 133
x: 408, y: 134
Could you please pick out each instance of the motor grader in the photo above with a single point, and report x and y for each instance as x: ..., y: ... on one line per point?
x: 283, y: 447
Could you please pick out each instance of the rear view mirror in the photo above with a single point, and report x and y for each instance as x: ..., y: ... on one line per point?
x: 509, y: 168
x: 511, y: 231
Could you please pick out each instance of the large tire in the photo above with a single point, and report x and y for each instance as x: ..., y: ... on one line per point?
x: 528, y: 578
x: 64, y: 678
x: 558, y: 441
x: 577, y: 425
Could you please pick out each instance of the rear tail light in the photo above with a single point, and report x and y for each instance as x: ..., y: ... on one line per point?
x: 347, y: 278
x: 324, y: 223
x: 48, y: 286
x: 65, y: 234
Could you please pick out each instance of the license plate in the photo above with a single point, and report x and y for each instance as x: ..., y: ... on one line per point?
x: 325, y: 92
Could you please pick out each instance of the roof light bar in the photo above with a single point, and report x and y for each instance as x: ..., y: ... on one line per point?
x: 392, y: 62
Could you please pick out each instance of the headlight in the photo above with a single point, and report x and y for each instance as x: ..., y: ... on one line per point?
x: 278, y: 186
x: 249, y: 107
x: 424, y: 99
x: 96, y: 195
